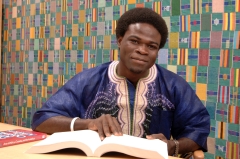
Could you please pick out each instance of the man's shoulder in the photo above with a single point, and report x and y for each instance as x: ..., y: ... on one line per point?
x: 91, y: 74
x: 165, y: 71
x: 169, y: 76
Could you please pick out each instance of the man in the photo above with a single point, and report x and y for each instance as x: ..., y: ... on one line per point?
x: 133, y: 96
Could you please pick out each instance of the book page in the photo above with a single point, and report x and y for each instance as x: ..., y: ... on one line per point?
x: 86, y: 140
x: 134, y: 146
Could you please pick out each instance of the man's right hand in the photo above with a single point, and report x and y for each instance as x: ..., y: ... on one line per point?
x: 105, y: 125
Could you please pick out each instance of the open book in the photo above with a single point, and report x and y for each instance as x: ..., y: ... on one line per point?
x: 89, y: 142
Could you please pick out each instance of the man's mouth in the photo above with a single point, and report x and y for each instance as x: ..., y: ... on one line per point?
x: 139, y: 59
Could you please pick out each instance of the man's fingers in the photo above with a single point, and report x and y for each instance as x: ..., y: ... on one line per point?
x: 106, y: 124
x: 114, y: 125
x: 96, y: 125
x: 149, y: 137
x: 157, y: 136
x: 111, y: 125
x: 118, y: 129
x: 100, y: 131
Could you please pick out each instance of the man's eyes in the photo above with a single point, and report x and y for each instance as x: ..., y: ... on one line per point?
x: 134, y: 41
x: 152, y: 47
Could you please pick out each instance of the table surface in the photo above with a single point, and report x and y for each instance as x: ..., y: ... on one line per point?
x: 18, y: 151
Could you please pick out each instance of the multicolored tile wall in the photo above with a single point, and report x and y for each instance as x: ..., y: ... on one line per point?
x: 46, y: 42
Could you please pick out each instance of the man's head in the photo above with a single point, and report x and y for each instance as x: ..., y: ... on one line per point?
x: 141, y: 32
x: 142, y: 15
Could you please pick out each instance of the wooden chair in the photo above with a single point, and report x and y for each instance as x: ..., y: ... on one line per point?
x: 198, y: 154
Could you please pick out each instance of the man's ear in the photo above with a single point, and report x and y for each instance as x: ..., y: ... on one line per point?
x: 119, y: 40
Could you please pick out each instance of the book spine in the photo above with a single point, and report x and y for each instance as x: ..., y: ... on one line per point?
x: 20, y: 141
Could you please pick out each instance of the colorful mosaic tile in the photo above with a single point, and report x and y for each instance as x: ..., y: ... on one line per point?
x: 45, y: 43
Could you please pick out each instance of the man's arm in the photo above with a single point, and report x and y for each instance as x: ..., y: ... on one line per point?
x: 104, y: 125
x: 60, y: 124
x: 185, y: 145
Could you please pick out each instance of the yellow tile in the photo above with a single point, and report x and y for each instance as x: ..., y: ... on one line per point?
x: 50, y: 80
x: 173, y: 40
x: 29, y: 101
x: 201, y: 91
x: 32, y: 33
x: 18, y: 22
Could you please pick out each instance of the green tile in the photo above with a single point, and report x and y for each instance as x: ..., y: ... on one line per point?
x: 202, y: 74
x: 220, y: 148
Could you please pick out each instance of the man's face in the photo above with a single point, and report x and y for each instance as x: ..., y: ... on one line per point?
x: 138, y: 49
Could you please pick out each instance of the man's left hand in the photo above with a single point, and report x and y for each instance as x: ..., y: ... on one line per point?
x: 170, y: 143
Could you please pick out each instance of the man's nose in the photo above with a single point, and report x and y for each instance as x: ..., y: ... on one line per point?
x: 142, y: 49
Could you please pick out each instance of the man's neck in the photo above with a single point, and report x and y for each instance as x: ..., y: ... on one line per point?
x: 132, y: 77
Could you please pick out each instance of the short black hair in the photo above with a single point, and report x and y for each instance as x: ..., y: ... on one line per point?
x: 142, y: 15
